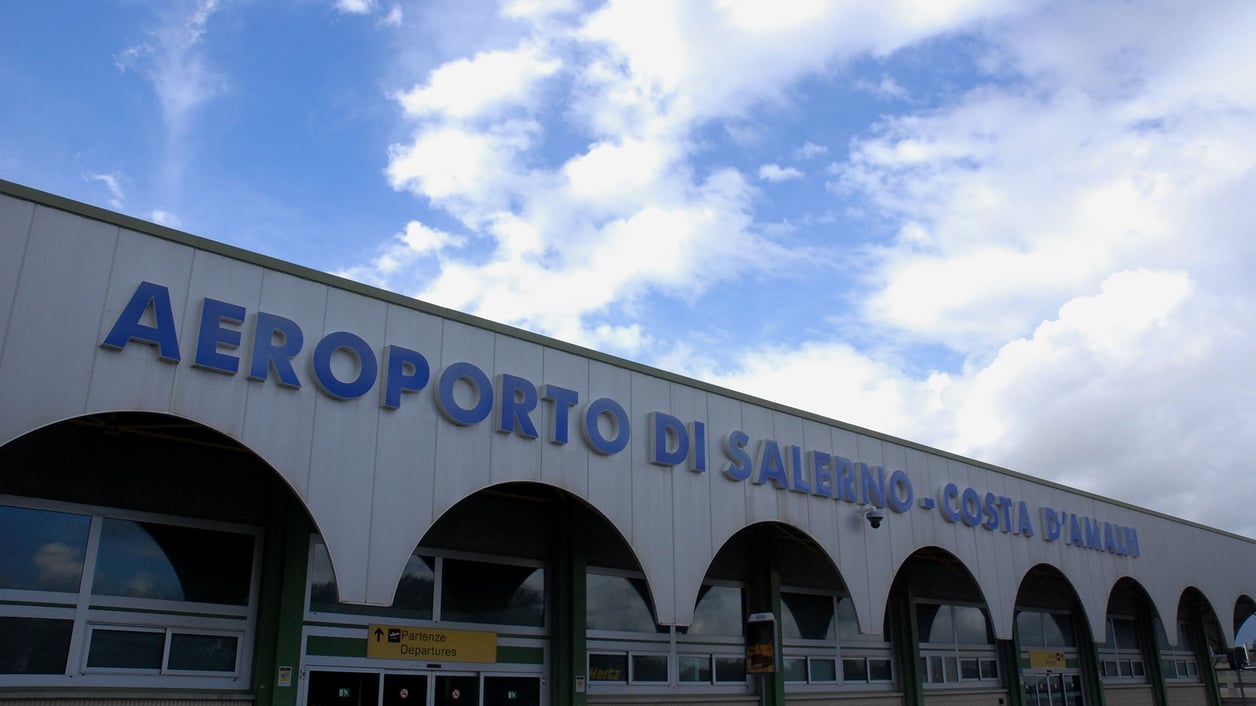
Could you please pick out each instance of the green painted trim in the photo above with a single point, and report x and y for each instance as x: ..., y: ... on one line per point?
x: 1092, y: 679
x: 1152, y: 660
x: 179, y: 613
x: 270, y: 602
x: 520, y: 655
x: 906, y: 643
x: 40, y: 604
x: 1203, y: 654
x: 1009, y: 651
x: 570, y: 646
x: 291, y: 607
x: 325, y: 646
x: 49, y: 200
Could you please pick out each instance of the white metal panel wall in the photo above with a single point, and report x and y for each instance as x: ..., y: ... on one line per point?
x: 375, y: 479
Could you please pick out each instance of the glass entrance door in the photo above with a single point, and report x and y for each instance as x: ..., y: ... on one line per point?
x: 1048, y: 689
x: 512, y: 691
x: 327, y: 688
x: 404, y: 690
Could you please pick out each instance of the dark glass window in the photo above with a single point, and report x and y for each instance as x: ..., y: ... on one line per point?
x: 970, y: 625
x: 34, y: 645
x: 412, y: 599
x: 1029, y: 628
x: 126, y: 649
x: 795, y: 669
x: 608, y: 667
x: 823, y: 670
x: 1124, y: 634
x: 695, y: 668
x: 730, y: 669
x: 481, y: 592
x: 652, y: 668
x: 718, y: 612
x: 203, y: 653
x: 1057, y: 630
x: 847, y: 624
x: 934, y: 623
x: 807, y: 616
x: 618, y: 603
x: 880, y: 670
x: 43, y: 550
x: 855, y: 669
x: 168, y: 562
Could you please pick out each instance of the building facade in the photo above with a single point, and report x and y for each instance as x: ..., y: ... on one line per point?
x: 229, y: 479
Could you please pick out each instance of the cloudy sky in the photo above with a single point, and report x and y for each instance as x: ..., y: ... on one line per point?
x: 1020, y: 231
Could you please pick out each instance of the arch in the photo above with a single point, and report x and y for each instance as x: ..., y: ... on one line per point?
x: 777, y: 540
x: 138, y: 447
x: 943, y: 567
x: 1244, y: 609
x: 1046, y: 586
x: 166, y: 510
x: 1130, y: 596
x: 1195, y: 608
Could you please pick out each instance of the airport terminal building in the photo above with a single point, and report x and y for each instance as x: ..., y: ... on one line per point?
x: 226, y: 479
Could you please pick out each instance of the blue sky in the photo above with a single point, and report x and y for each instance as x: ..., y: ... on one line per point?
x: 1015, y: 230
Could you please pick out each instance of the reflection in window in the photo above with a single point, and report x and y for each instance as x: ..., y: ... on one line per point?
x: 126, y: 649
x: 150, y: 564
x: 1045, y: 629
x: 955, y: 644
x: 718, y: 612
x: 481, y: 592
x: 807, y: 616
x: 34, y: 645
x: 695, y: 668
x: 169, y: 562
x: 618, y: 603
x: 204, y: 653
x: 1120, y: 655
x: 412, y: 599
x: 43, y: 550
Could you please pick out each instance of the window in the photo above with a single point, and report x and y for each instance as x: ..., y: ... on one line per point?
x: 822, y: 644
x: 168, y: 600
x: 955, y: 644
x: 617, y: 603
x: 471, y: 590
x: 1120, y: 656
x: 1178, y: 663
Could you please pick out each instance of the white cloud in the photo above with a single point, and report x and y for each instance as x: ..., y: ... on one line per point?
x: 181, y: 76
x: 1067, y: 230
x: 810, y: 150
x: 393, y: 18
x: 536, y: 9
x: 165, y: 218
x: 60, y: 566
x: 776, y: 173
x: 117, y: 199
x: 356, y: 7
x: 468, y: 88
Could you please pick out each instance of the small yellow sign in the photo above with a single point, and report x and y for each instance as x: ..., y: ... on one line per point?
x: 393, y: 642
x: 1046, y: 659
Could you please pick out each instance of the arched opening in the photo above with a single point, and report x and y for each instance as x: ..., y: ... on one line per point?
x: 142, y: 550
x: 1055, y: 650
x: 1244, y: 620
x: 1188, y: 665
x: 936, y: 598
x: 496, y: 582
x: 1128, y: 654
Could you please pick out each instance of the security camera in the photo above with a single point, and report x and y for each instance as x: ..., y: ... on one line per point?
x: 874, y: 516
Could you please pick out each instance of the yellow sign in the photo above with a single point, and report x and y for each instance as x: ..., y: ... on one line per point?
x: 392, y: 642
x: 1046, y: 659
